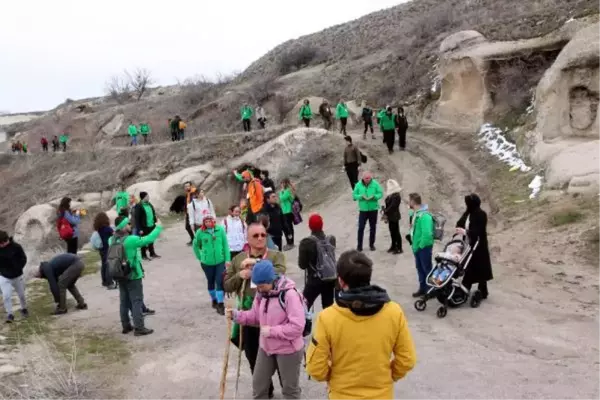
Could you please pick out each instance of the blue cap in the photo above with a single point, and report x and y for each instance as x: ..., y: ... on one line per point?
x: 263, y: 272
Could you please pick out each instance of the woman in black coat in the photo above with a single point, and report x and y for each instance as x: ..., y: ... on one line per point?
x: 391, y: 214
x: 479, y: 269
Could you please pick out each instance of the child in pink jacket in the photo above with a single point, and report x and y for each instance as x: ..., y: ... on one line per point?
x: 279, y: 310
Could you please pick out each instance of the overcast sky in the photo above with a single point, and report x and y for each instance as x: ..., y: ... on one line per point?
x: 51, y: 50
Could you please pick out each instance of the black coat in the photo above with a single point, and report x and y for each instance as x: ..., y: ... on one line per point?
x: 275, y: 220
x: 392, y: 207
x: 12, y: 260
x: 480, y: 266
x: 401, y: 123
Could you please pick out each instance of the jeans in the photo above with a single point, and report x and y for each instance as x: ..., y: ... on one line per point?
x: 133, y: 140
x: 363, y: 217
x: 106, y: 278
x: 131, y: 298
x: 7, y: 286
x: 181, y: 134
x: 214, y: 279
x: 72, y: 245
x: 66, y: 281
x: 424, y: 266
x: 316, y: 287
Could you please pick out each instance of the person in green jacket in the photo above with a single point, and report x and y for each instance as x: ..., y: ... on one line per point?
x: 132, y: 130
x: 212, y: 250
x: 247, y: 113
x: 122, y: 202
x: 131, y: 290
x: 306, y: 113
x: 387, y: 123
x: 422, y: 237
x: 367, y: 193
x: 64, y: 138
x: 287, y: 193
x: 341, y: 113
x: 145, y: 131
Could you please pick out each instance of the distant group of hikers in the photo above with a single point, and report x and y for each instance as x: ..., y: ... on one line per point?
x: 134, y: 130
x: 58, y: 142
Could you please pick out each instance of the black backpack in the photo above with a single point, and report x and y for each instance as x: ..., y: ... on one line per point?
x: 118, y: 266
x: 325, y: 269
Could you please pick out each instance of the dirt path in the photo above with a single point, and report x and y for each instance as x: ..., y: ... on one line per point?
x: 527, y: 341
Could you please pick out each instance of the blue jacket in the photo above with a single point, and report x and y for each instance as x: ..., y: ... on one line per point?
x: 74, y: 220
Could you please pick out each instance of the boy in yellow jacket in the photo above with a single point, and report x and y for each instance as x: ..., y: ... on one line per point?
x: 353, y: 339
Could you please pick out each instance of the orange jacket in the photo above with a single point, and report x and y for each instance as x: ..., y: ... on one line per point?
x: 256, y: 195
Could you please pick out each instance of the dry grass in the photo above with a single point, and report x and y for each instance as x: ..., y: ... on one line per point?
x: 565, y: 216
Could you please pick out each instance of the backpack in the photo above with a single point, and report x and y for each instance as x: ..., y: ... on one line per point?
x: 182, y: 125
x: 225, y: 224
x: 65, y: 229
x: 307, y: 314
x: 96, y: 241
x: 325, y: 269
x: 438, y: 225
x: 118, y: 266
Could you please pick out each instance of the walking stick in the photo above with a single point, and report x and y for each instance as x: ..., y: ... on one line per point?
x: 226, y: 359
x: 240, y: 341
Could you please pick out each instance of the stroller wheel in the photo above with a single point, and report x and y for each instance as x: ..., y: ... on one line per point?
x: 476, y: 299
x: 441, y: 312
x: 420, y: 305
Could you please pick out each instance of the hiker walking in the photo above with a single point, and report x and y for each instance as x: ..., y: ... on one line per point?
x: 44, y: 143
x: 279, y: 311
x: 481, y: 270
x: 388, y: 126
x: 199, y: 207
x: 287, y: 194
x: 351, y: 346
x: 273, y: 210
x: 64, y: 138
x: 24, y: 147
x: 402, y: 126
x: 352, y: 161
x: 181, y: 127
x: 62, y: 272
x: 422, y: 238
x: 326, y: 114
x: 367, y: 193
x: 391, y: 215
x: 132, y: 130
x: 68, y: 224
x: 55, y: 143
x: 240, y: 271
x: 305, y: 113
x: 367, y: 117
x: 316, y: 256
x: 261, y: 117
x: 12, y: 264
x: 174, y: 126
x: 102, y: 226
x: 145, y: 131
x: 145, y: 222
x: 341, y: 113
x: 125, y: 248
x: 246, y: 112
x: 235, y: 228
x: 188, y: 190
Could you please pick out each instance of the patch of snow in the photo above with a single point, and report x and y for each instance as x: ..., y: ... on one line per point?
x: 531, y: 105
x: 495, y: 141
x: 535, y: 186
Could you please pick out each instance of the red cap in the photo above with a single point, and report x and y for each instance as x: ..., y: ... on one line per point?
x: 315, y: 223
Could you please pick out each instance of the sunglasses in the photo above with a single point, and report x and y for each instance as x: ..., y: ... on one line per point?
x: 261, y: 235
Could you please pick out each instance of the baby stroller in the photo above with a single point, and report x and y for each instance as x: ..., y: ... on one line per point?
x: 445, y: 279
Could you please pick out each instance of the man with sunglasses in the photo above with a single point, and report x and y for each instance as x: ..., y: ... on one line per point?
x: 240, y: 270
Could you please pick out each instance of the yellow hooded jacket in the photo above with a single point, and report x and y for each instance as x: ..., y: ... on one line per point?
x: 352, y: 352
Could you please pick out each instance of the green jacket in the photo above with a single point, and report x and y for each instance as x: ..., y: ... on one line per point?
x: 121, y: 201
x: 145, y: 129
x: 341, y: 111
x: 63, y: 138
x: 132, y: 130
x: 286, y: 199
x: 149, y: 211
x: 132, y: 246
x: 387, y: 122
x: 305, y: 111
x: 373, y: 190
x: 211, y: 248
x: 422, y: 230
x: 247, y: 112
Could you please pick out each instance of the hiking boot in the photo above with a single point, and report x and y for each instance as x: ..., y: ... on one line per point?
x: 59, y: 311
x: 359, y: 249
x: 288, y: 247
x: 146, y: 258
x: 372, y: 248
x: 152, y: 256
x: 221, y: 309
x: 418, y: 293
x: 142, y: 332
x: 81, y: 306
x: 148, y: 311
x: 25, y: 313
x: 214, y: 304
x: 127, y: 329
x: 189, y: 243
x: 397, y: 251
x: 391, y: 250
x: 112, y: 286
x: 10, y: 319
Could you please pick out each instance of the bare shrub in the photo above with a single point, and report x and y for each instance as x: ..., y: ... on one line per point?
x: 282, y: 107
x: 118, y: 89
x: 299, y: 58
x: 139, y: 80
x: 263, y: 89
x: 197, y: 89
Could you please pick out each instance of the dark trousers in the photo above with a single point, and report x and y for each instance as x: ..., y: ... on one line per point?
x: 262, y: 122
x: 54, y: 146
x: 368, y: 124
x: 352, y: 172
x: 64, y: 146
x: 45, y: 147
x: 174, y: 136
x: 188, y: 227
x: 424, y: 266
x: 251, y: 340
x: 327, y: 123
x: 145, y: 138
x: 343, y: 122
x: 131, y: 298
x: 150, y: 247
x: 481, y: 286
x: 278, y: 240
x: 66, y: 281
x: 395, y: 235
x: 389, y: 136
x: 247, y: 125
x: 402, y: 138
x: 315, y: 288
x: 363, y: 217
x: 72, y: 245
x: 306, y: 122
x: 288, y: 228
x: 106, y: 278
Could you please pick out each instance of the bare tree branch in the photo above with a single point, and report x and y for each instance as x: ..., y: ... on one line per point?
x: 139, y: 81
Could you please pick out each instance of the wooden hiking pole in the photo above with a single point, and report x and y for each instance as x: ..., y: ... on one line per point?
x: 241, y: 337
x: 226, y: 359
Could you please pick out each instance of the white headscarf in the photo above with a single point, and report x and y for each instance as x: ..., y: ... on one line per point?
x: 392, y: 187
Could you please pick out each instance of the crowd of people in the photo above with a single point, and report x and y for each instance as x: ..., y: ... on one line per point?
x: 58, y: 143
x: 142, y: 129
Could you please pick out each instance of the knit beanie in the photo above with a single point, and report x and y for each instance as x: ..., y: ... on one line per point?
x: 315, y: 223
x: 263, y: 272
x: 143, y: 195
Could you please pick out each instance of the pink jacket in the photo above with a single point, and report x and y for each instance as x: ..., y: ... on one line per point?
x: 285, y: 334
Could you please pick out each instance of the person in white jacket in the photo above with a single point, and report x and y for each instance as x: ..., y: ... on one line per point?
x: 261, y: 116
x: 198, y: 208
x: 236, y: 231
